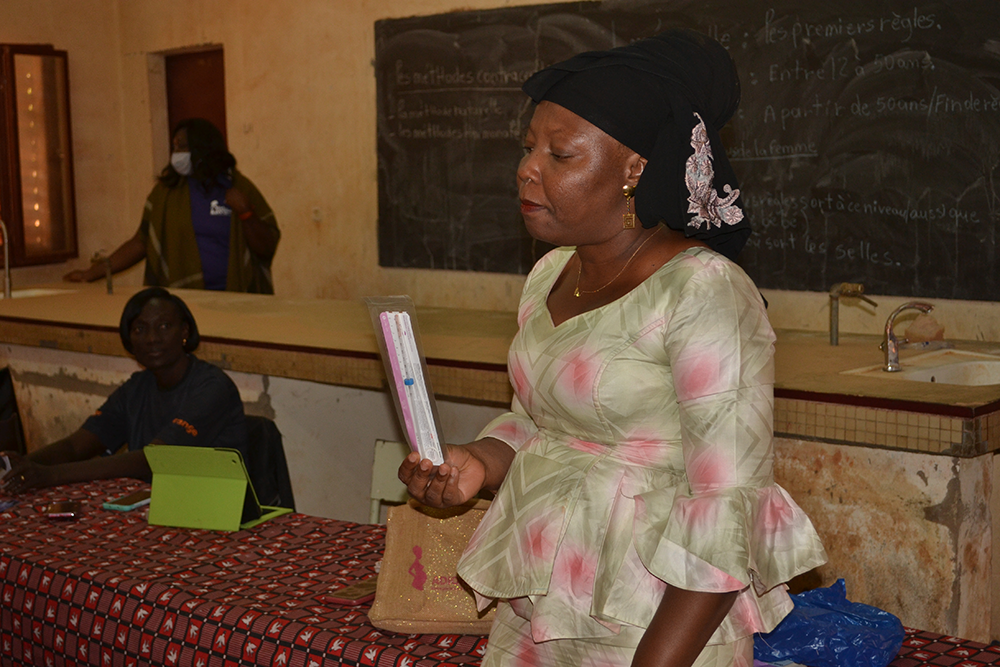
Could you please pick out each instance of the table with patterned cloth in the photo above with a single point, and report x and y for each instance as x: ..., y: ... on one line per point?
x: 108, y: 589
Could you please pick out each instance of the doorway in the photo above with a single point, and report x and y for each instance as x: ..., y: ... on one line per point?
x: 196, y: 87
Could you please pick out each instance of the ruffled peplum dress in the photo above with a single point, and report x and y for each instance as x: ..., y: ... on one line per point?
x: 644, y: 440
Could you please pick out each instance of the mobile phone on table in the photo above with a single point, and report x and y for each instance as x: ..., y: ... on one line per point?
x: 128, y: 502
x: 66, y: 509
x: 359, y: 593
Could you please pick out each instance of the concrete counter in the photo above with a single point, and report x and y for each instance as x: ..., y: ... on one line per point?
x: 897, y: 476
x: 806, y: 362
x: 82, y: 319
x: 332, y: 342
x: 325, y: 341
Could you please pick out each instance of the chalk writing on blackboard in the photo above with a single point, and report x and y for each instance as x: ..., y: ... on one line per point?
x: 867, y: 142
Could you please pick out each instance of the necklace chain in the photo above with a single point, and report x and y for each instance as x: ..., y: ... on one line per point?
x: 579, y: 271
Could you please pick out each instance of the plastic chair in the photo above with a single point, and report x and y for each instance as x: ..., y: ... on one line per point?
x: 386, y: 486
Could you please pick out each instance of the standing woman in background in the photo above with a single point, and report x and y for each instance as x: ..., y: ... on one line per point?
x: 204, y: 226
x: 636, y: 519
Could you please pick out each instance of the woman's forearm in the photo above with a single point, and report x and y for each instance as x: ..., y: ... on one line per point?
x: 496, y: 457
x: 60, y: 451
x: 681, y: 626
x: 262, y: 239
x: 76, y: 458
x: 127, y: 254
x: 78, y: 446
x: 128, y: 464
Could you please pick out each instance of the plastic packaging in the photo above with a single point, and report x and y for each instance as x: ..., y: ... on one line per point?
x: 827, y: 630
x: 395, y: 323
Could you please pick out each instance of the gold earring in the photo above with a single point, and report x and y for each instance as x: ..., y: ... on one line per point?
x: 628, y: 220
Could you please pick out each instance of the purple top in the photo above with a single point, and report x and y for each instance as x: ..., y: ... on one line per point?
x: 211, y: 219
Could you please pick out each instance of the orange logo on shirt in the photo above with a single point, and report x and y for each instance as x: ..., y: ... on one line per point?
x: 191, y: 430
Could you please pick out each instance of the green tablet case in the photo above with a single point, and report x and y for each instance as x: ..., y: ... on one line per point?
x: 203, y: 487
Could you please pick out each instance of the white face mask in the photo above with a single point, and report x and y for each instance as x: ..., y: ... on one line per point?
x: 181, y: 162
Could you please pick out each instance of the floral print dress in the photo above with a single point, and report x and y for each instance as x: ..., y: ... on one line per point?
x: 644, y: 440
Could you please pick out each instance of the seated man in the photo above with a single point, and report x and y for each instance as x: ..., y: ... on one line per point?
x: 177, y: 400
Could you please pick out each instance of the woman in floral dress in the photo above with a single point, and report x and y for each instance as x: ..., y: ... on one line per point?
x: 636, y: 518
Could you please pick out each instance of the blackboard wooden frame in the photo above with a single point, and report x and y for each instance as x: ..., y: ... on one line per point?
x: 867, y: 143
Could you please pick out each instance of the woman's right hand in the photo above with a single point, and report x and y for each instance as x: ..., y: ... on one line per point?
x: 452, y: 483
x: 78, y: 276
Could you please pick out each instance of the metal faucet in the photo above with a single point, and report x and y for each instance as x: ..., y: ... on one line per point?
x: 6, y: 261
x: 837, y: 291
x: 98, y: 257
x: 890, y: 344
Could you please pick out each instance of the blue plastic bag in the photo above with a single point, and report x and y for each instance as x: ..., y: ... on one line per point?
x: 827, y: 630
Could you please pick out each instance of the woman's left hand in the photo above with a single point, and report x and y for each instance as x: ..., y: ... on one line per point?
x: 452, y: 483
x: 262, y: 239
x: 237, y: 201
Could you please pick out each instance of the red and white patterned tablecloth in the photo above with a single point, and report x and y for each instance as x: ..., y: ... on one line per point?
x: 108, y: 589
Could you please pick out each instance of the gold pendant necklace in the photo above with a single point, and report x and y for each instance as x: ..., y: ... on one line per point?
x: 577, y: 291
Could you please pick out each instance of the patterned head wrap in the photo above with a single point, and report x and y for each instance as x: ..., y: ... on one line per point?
x: 665, y: 97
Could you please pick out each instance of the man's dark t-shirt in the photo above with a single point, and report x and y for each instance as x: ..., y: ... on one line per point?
x: 203, y: 410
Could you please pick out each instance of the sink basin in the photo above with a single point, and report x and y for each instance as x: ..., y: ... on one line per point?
x: 36, y: 291
x: 970, y: 369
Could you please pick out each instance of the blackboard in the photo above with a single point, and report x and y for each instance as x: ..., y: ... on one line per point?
x: 867, y: 143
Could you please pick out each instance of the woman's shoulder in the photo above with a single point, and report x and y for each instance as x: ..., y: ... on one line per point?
x: 160, y: 190
x: 702, y: 264
x: 138, y: 379
x: 204, y: 374
x: 695, y: 277
x: 202, y: 367
x: 240, y: 181
x: 708, y: 285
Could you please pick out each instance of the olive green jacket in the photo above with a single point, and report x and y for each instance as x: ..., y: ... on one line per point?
x: 172, y: 257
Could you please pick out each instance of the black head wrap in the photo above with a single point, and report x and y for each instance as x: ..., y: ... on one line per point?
x: 666, y: 98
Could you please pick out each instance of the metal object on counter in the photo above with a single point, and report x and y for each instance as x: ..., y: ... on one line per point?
x: 837, y: 291
x: 890, y: 344
x: 6, y: 260
x: 99, y: 257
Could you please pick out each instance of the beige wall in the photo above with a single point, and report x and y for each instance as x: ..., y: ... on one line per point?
x: 922, y: 552
x: 300, y: 94
x: 89, y: 32
x: 300, y: 98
